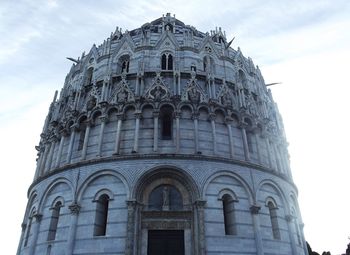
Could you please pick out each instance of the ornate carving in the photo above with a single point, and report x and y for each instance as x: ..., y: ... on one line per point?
x: 254, y: 209
x: 122, y: 93
x: 74, y: 208
x: 226, y: 97
x: 158, y: 90
x: 193, y: 92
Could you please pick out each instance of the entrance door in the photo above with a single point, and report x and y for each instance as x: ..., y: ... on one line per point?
x: 165, y: 242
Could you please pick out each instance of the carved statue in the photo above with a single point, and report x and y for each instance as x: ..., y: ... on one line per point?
x: 165, y: 197
x: 122, y: 96
x: 91, y: 103
x: 194, y: 95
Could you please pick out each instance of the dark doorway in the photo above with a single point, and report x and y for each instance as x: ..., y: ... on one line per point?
x: 165, y: 242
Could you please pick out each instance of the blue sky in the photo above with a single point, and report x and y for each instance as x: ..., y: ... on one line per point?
x: 304, y: 44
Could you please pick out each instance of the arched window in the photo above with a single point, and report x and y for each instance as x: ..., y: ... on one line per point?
x: 228, y: 207
x: 54, y: 221
x: 274, y: 220
x: 250, y: 142
x: 167, y: 61
x: 166, y: 123
x: 101, y: 215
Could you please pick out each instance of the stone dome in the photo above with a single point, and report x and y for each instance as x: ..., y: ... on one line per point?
x: 163, y: 140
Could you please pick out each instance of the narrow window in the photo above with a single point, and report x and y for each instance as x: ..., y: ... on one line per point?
x: 170, y: 62
x: 229, y: 215
x: 101, y: 215
x: 54, y: 221
x: 205, y: 64
x: 164, y: 60
x: 81, y: 139
x: 193, y: 68
x: 166, y: 118
x: 274, y: 220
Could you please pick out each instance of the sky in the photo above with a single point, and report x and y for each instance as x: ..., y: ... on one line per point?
x: 303, y: 44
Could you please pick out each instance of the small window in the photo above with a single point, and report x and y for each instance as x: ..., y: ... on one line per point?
x: 101, y: 215
x: 166, y: 123
x: 167, y: 61
x: 229, y: 215
x: 250, y: 142
x: 89, y: 74
x: 54, y: 221
x: 274, y: 220
x: 81, y: 139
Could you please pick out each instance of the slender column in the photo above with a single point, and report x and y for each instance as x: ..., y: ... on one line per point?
x: 177, y: 120
x: 258, y: 148
x: 174, y: 81
x: 130, y: 227
x: 213, y: 88
x: 268, y: 149
x: 142, y: 85
x: 86, y: 141
x: 100, y: 138
x: 137, y: 91
x: 35, y: 229
x: 71, y: 143
x: 245, y: 142
x: 74, y: 209
x: 290, y: 219
x: 228, y: 121
x: 137, y: 128
x: 43, y: 162
x: 209, y: 87
x: 254, y: 209
x: 195, y: 121
x: 212, y: 118
x: 60, y: 148
x: 155, y: 130
x: 117, y: 135
x: 49, y: 158
x: 201, y: 229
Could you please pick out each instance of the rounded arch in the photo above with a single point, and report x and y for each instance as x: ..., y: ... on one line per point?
x: 112, y: 109
x: 147, y: 104
x: 277, y: 189
x: 98, y: 174
x: 82, y: 118
x: 96, y: 113
x: 32, y: 202
x: 101, y: 192
x: 51, y: 186
x: 204, y: 107
x: 244, y: 184
x: 167, y: 105
x: 269, y: 200
x: 128, y: 107
x: 58, y: 199
x: 169, y: 175
x: 229, y: 192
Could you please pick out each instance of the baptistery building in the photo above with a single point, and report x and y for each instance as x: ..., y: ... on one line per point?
x: 163, y: 140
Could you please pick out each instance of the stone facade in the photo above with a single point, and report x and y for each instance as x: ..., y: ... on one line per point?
x: 163, y: 128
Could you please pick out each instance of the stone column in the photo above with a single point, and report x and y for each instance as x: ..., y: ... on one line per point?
x: 120, y: 117
x: 290, y: 219
x: 195, y: 122
x: 258, y: 147
x: 71, y: 143
x: 155, y: 130
x: 43, y: 161
x: 177, y: 120
x: 86, y: 140
x: 268, y: 149
x: 35, y: 229
x: 142, y: 85
x: 254, y: 209
x: 179, y: 84
x: 212, y: 118
x: 213, y: 88
x: 200, y: 204
x: 137, y: 129
x: 137, y: 90
x: 129, y: 248
x: 104, y: 119
x: 49, y: 157
x: 228, y: 121
x: 74, y: 209
x: 60, y: 148
x: 245, y: 142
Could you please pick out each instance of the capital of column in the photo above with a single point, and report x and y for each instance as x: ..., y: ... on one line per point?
x: 137, y: 114
x: 289, y: 218
x: 228, y: 120
x: 195, y: 116
x: 37, y: 217
x: 155, y: 114
x: 242, y: 125
x: 212, y: 116
x: 74, y: 208
x: 200, y: 203
x: 177, y: 114
x: 131, y: 203
x: 120, y: 116
x: 104, y: 118
x: 254, y: 209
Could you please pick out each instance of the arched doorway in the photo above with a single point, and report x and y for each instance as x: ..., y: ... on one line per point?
x: 167, y: 217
